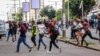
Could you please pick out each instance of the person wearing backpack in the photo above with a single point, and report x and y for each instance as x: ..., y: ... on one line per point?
x: 53, y: 31
x: 22, y: 37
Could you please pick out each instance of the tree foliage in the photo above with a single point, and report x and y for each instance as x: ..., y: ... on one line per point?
x: 74, y: 6
x: 59, y: 14
x: 48, y: 11
x: 19, y: 15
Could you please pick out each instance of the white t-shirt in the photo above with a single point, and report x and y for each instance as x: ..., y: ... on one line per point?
x: 74, y: 23
x: 41, y: 28
x: 79, y: 25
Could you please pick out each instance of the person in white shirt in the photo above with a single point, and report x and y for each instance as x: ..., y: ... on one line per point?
x: 79, y: 32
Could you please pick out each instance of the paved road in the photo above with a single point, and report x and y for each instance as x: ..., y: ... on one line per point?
x: 9, y: 48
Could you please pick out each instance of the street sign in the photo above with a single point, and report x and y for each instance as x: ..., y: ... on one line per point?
x: 35, y: 4
x: 26, y: 6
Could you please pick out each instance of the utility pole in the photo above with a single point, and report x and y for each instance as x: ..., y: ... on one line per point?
x: 35, y: 14
x: 43, y: 4
x: 26, y: 13
x: 7, y: 16
x: 19, y: 4
x: 68, y: 10
x: 82, y: 8
x: 14, y: 9
x: 64, y: 18
x: 64, y: 38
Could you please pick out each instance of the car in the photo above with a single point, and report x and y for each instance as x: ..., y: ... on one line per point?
x: 2, y: 29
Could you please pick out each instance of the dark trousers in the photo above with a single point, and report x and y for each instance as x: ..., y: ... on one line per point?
x: 33, y: 39
x: 41, y: 41
x: 0, y: 36
x: 89, y: 34
x: 53, y: 38
x: 99, y: 33
x: 20, y: 40
x: 10, y: 32
x: 73, y: 34
x: 99, y: 28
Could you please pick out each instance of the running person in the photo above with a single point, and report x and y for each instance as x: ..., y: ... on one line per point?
x: 41, y: 28
x: 33, y: 38
x: 22, y: 37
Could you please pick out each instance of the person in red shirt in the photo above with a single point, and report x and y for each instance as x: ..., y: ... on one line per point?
x: 22, y: 37
x: 53, y: 36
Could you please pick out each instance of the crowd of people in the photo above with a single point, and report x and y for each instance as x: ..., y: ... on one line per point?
x: 40, y: 28
x: 80, y: 28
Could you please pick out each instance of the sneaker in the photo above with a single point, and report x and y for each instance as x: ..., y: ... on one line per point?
x: 30, y: 49
x: 48, y: 51
x: 45, y: 47
x: 17, y: 51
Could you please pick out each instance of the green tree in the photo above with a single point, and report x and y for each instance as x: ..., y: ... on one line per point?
x: 59, y: 14
x: 48, y: 11
x: 74, y: 6
x: 43, y: 12
x: 19, y: 15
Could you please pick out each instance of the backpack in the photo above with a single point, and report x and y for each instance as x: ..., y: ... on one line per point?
x: 55, y: 31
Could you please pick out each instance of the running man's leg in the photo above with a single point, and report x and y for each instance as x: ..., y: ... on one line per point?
x: 18, y: 44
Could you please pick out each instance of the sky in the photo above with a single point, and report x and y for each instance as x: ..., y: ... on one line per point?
x: 4, y: 8
x: 7, y: 5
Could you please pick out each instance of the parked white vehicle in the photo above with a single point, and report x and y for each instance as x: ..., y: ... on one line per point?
x: 2, y: 28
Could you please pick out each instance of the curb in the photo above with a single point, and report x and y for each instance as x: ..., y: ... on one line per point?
x: 82, y: 46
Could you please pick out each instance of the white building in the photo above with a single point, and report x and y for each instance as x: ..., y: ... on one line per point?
x: 56, y: 4
x: 7, y: 8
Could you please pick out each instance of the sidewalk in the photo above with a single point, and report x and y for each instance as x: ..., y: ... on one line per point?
x: 93, y: 45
